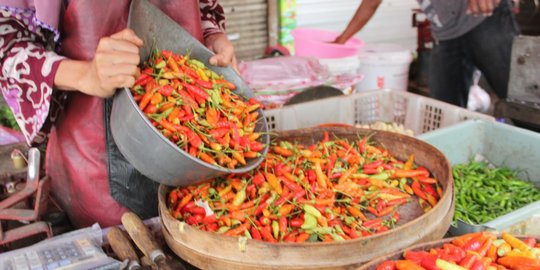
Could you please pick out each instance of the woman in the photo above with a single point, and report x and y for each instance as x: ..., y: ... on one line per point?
x: 82, y: 50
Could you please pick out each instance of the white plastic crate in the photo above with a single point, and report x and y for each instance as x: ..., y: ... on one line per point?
x: 418, y: 113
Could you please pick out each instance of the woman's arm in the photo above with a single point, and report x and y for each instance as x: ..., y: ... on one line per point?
x: 26, y: 74
x: 363, y: 14
x: 213, y: 24
x: 114, y: 66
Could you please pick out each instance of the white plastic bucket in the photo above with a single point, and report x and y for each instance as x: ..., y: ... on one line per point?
x: 340, y: 66
x: 385, y: 66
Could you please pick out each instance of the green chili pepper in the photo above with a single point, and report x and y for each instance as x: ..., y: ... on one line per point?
x: 380, y: 176
x: 239, y: 197
x: 161, y: 65
x: 223, y: 229
x: 312, y: 211
x: 275, y: 228
x: 310, y: 222
x: 484, y: 193
x: 337, y: 237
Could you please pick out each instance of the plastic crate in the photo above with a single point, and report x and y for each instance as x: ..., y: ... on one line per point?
x: 418, y: 113
x: 502, y: 145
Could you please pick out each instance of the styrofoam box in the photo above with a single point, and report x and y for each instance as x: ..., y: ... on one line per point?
x: 501, y: 144
x: 415, y: 112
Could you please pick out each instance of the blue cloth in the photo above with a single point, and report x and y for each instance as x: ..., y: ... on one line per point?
x: 487, y: 47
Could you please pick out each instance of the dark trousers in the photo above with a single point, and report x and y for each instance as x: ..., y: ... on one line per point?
x: 487, y: 47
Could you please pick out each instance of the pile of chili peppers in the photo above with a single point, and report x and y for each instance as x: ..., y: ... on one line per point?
x: 197, y: 110
x: 333, y: 190
x: 478, y: 251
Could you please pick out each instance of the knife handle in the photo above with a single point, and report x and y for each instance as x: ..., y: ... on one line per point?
x: 121, y: 245
x: 141, y: 236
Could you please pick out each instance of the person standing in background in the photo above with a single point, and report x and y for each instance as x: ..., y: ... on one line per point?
x: 468, y: 34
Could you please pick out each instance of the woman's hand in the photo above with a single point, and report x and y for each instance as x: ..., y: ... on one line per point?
x: 114, y: 66
x: 224, y: 50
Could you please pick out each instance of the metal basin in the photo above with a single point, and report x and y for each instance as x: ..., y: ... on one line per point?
x: 142, y: 144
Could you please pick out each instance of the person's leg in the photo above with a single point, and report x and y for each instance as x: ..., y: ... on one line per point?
x: 489, y: 46
x: 451, y: 73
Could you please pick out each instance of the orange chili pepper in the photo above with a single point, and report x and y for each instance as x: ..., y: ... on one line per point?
x: 282, y: 151
x: 239, y: 156
x: 321, y: 177
x: 184, y: 201
x: 274, y: 182
x: 207, y: 158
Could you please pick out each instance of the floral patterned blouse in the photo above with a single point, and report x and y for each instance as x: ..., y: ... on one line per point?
x: 28, y: 63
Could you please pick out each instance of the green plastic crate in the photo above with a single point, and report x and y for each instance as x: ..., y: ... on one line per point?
x: 502, y: 145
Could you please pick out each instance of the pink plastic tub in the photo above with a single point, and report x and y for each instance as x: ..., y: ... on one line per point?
x: 318, y: 43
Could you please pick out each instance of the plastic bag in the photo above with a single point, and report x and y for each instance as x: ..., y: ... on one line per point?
x: 281, y: 75
x: 84, y: 245
x: 479, y: 99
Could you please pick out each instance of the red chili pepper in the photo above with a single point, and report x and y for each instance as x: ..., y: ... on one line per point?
x: 260, y: 208
x: 299, y: 194
x: 387, y: 265
x: 417, y: 190
x: 312, y: 176
x: 296, y: 222
x: 258, y: 179
x: 209, y: 219
x: 285, y: 196
x: 150, y: 109
x: 426, y: 180
x: 224, y: 124
x: 266, y: 233
x: 382, y: 229
x: 219, y: 133
x: 226, y: 84
x: 372, y: 223
x: 196, y: 91
x: 429, y: 262
x: 192, y: 220
x: 473, y: 244
x: 255, y: 234
x: 292, y: 186
x: 256, y: 146
x: 193, y: 139
x: 143, y: 79
x: 372, y: 210
x: 531, y: 242
x: 204, y: 84
x: 326, y: 137
x: 370, y: 171
x: 145, y: 100
x: 190, y: 72
x: 283, y: 224
x: 415, y: 256
x: 166, y: 90
x: 212, y: 227
x: 428, y: 188
x: 468, y: 261
x: 197, y: 210
x: 290, y: 238
x: 373, y: 165
x: 396, y: 216
x: 478, y: 265
x: 188, y: 99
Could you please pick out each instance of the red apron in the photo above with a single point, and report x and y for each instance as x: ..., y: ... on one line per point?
x: 78, y: 160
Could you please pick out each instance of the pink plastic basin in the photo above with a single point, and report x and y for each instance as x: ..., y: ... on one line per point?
x: 318, y: 43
